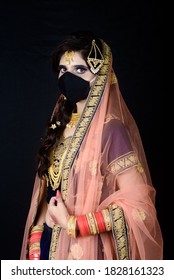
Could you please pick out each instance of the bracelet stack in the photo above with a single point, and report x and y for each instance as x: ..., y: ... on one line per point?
x: 34, y: 242
x: 89, y: 224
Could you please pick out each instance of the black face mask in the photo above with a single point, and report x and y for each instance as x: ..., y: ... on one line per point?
x: 73, y: 87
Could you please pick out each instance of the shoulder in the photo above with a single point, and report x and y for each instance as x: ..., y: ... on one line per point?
x: 115, y: 128
x: 116, y: 138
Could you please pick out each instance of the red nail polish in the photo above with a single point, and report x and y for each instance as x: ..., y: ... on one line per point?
x: 58, y: 194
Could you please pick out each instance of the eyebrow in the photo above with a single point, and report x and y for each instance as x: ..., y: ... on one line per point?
x: 76, y: 65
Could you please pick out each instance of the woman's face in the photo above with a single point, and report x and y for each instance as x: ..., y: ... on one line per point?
x: 74, y: 63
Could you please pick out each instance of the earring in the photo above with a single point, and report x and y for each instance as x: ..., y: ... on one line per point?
x: 95, y: 63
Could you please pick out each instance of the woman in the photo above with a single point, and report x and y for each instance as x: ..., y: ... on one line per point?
x: 93, y: 198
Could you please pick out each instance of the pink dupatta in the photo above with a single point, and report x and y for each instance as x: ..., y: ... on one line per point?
x: 108, y: 168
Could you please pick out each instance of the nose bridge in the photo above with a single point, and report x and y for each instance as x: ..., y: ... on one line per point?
x: 67, y: 71
x: 69, y: 67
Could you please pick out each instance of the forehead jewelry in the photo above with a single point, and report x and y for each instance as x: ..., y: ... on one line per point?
x: 92, y: 60
x: 69, y: 56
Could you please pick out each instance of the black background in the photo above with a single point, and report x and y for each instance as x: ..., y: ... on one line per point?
x: 29, y: 32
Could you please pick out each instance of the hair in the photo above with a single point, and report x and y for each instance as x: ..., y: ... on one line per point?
x: 79, y: 42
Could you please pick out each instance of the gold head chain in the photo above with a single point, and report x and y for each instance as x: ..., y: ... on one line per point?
x: 94, y: 62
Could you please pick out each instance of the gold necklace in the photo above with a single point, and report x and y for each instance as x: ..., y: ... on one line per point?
x: 57, y: 157
x: 74, y: 120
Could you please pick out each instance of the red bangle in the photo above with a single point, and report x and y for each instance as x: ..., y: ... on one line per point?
x: 34, y: 242
x: 34, y: 255
x: 83, y: 226
x: 100, y: 221
x: 35, y: 237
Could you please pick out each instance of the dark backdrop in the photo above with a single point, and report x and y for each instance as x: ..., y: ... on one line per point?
x: 29, y: 32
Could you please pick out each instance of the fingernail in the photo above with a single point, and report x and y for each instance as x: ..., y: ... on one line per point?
x: 58, y: 194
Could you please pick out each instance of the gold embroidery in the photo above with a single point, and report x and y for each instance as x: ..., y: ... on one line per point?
x: 119, y: 231
x: 123, y: 162
x: 113, y: 78
x: 110, y: 117
x: 139, y: 167
x: 138, y: 215
x: 76, y: 251
x: 54, y: 240
x: 93, y: 167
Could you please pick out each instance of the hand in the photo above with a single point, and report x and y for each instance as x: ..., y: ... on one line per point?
x: 58, y: 211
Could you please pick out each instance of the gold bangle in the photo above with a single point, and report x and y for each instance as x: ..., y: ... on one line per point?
x: 91, y: 223
x: 107, y: 219
x: 35, y: 245
x: 95, y: 221
x: 72, y: 226
x: 37, y: 228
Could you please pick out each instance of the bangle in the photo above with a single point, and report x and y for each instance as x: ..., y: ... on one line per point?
x: 72, y: 226
x: 83, y: 226
x: 107, y: 219
x: 34, y: 242
x: 92, y: 224
x: 37, y: 229
x: 100, y: 222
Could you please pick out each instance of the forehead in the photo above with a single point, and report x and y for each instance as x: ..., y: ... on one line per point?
x: 73, y: 58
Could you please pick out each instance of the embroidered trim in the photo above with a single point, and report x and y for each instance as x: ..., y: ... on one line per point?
x: 54, y: 240
x: 113, y: 78
x: 119, y: 232
x: 123, y: 163
x: 85, y: 120
x: 140, y: 167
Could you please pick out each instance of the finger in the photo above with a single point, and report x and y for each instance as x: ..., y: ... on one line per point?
x: 53, y: 201
x: 58, y: 196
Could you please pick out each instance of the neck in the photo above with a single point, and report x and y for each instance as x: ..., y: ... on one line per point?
x: 80, y: 105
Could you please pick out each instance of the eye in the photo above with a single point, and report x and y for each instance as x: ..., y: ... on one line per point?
x: 80, y: 69
x: 62, y: 69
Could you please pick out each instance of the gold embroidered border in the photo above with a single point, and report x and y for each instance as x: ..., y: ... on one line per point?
x: 54, y: 240
x: 119, y: 232
x: 86, y: 117
x: 113, y: 78
x: 123, y: 162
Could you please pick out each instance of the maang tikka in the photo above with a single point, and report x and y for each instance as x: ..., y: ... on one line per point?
x: 69, y: 57
x: 94, y: 62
